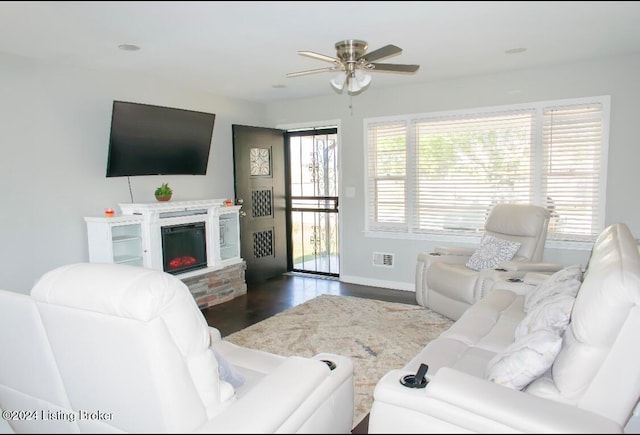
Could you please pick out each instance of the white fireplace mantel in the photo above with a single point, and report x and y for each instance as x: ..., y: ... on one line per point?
x: 221, y: 229
x: 156, y: 209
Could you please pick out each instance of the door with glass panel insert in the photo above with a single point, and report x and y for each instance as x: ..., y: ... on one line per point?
x: 313, y: 162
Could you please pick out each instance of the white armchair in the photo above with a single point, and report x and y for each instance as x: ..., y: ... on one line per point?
x: 116, y: 348
x: 446, y: 285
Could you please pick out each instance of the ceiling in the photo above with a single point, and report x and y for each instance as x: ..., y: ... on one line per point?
x: 245, y: 49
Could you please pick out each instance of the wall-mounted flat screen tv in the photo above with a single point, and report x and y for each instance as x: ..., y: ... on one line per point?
x: 155, y: 140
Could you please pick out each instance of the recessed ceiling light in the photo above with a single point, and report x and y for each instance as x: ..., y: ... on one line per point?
x: 515, y: 50
x: 128, y: 47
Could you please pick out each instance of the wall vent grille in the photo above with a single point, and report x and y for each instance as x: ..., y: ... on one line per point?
x: 382, y: 259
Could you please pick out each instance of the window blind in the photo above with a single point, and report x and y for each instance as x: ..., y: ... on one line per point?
x: 442, y: 173
x: 571, y: 170
x: 466, y: 164
x: 387, y: 176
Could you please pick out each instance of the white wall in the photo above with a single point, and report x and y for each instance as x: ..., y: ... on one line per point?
x: 54, y: 131
x: 54, y: 134
x: 617, y: 77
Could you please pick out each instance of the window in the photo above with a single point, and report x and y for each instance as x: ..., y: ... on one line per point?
x: 440, y: 173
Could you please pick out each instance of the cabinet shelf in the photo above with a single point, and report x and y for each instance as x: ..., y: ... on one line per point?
x: 128, y: 260
x: 123, y: 239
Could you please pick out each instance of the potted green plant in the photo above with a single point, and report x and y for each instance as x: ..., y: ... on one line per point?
x: 164, y: 192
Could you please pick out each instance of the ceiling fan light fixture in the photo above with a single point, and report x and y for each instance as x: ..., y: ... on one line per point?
x: 355, y: 82
x: 338, y: 81
x: 353, y: 86
x: 363, y: 79
x: 358, y: 81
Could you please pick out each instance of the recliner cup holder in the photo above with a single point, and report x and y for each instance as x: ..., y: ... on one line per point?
x: 331, y: 364
x: 410, y: 381
x: 419, y: 380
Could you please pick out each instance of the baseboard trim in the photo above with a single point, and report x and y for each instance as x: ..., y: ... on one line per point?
x: 396, y: 285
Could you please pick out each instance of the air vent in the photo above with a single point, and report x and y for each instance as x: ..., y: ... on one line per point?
x: 382, y: 259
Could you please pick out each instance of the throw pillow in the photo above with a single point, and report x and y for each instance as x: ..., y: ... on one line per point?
x: 565, y: 281
x: 553, y: 312
x: 525, y: 360
x: 227, y: 372
x: 491, y: 252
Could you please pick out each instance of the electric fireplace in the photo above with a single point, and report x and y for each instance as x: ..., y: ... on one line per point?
x: 184, y: 247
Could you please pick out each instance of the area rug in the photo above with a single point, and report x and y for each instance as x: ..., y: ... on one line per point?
x: 378, y: 336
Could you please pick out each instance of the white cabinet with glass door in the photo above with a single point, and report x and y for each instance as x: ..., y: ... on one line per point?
x: 117, y: 239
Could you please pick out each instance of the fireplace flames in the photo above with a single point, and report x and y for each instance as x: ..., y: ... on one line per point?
x: 180, y: 262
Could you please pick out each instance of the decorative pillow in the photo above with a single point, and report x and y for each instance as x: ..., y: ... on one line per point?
x: 566, y: 281
x: 227, y: 372
x: 492, y: 251
x: 553, y: 312
x: 525, y: 360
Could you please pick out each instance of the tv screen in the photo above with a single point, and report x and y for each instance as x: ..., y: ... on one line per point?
x: 155, y: 140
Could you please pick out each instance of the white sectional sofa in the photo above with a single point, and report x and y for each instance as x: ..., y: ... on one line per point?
x: 485, y: 377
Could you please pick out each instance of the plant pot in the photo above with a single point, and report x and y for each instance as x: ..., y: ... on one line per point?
x: 163, y: 197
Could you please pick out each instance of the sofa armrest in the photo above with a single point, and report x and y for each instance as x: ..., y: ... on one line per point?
x: 454, y: 399
x: 427, y: 258
x: 268, y: 405
x: 453, y: 250
x: 530, y: 266
x: 517, y: 287
x: 535, y: 278
x: 214, y: 334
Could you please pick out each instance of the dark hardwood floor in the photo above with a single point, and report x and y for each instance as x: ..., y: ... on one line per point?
x: 286, y: 291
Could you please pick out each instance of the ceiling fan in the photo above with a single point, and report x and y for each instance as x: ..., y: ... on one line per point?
x: 353, y: 62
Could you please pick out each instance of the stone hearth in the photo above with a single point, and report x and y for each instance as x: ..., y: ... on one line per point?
x: 218, y: 286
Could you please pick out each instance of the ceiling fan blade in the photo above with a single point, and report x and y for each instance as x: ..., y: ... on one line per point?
x: 312, y: 71
x: 319, y: 56
x: 381, y: 53
x: 395, y: 67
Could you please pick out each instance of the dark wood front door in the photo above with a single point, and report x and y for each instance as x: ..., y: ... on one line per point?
x: 259, y: 157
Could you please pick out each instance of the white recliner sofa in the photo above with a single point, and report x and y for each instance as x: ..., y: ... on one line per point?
x: 591, y: 385
x: 445, y: 284
x: 103, y: 348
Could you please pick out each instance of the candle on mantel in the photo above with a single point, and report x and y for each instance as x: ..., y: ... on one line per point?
x: 109, y: 212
